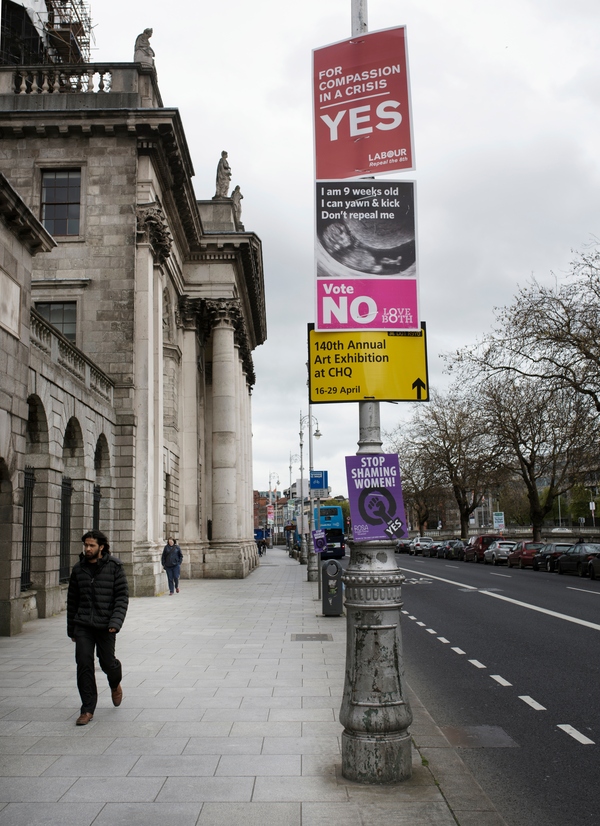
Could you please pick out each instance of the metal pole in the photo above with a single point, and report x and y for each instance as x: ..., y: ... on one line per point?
x: 312, y: 573
x: 303, y: 557
x: 376, y: 745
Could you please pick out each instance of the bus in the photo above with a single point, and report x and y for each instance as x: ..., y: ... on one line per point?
x: 331, y: 520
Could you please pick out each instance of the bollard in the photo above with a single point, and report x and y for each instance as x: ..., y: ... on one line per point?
x: 376, y: 746
x: 331, y: 588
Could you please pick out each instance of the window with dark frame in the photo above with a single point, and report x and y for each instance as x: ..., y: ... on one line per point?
x: 61, y: 201
x: 62, y: 315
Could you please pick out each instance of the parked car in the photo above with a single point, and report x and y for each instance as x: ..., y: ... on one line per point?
x: 594, y: 567
x: 477, y: 545
x: 577, y: 559
x: 545, y: 558
x: 498, y: 551
x: 523, y: 554
x: 419, y: 543
x: 403, y: 546
x: 451, y: 549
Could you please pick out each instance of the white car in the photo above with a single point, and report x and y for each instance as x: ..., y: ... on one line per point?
x: 420, y: 543
x: 498, y: 551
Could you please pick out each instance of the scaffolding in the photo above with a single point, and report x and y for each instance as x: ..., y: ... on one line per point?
x: 69, y: 30
x: 60, y: 33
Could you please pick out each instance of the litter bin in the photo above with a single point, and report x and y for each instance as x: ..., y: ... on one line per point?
x: 331, y: 590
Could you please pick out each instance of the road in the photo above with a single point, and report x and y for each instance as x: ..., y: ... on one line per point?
x: 517, y: 653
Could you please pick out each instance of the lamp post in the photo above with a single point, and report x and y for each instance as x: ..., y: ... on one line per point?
x: 271, y: 477
x: 307, y: 554
x: 592, y: 507
x: 293, y: 458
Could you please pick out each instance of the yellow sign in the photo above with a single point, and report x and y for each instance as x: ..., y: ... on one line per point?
x: 358, y: 367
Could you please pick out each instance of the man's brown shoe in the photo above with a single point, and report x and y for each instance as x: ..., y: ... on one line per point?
x: 117, y: 695
x: 84, y: 718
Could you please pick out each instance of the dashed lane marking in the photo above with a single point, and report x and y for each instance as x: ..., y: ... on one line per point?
x: 477, y: 664
x: 422, y: 624
x: 531, y: 702
x: 489, y: 593
x: 576, y: 734
x: 583, y: 590
x: 500, y: 679
x: 506, y: 576
x: 431, y: 631
x: 459, y: 651
x: 443, y: 639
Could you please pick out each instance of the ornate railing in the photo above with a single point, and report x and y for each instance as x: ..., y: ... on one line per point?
x: 62, y: 352
x: 48, y: 80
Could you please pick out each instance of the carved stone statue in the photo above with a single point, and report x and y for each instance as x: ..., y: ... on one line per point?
x: 236, y: 197
x: 144, y: 53
x: 223, y: 176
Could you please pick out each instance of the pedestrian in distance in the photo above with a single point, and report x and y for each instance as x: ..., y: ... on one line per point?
x: 171, y: 562
x: 97, y: 601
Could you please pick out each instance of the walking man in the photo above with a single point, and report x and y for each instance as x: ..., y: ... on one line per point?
x: 97, y: 602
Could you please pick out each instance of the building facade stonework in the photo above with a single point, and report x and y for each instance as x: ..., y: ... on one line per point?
x: 135, y: 345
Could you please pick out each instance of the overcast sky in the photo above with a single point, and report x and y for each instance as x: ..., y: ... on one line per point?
x: 505, y: 104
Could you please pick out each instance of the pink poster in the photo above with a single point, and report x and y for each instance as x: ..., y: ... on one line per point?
x: 366, y: 256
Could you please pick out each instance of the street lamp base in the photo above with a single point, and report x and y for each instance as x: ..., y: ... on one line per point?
x: 384, y: 758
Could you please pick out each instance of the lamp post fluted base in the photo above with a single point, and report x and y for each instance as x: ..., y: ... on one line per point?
x: 376, y: 745
x: 303, y: 558
x: 384, y: 758
x: 312, y: 572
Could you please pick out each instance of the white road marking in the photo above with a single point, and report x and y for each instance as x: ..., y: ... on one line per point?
x: 477, y: 664
x: 443, y: 639
x: 412, y: 618
x: 489, y: 593
x: 576, y: 734
x: 405, y: 612
x: 422, y: 624
x: 506, y: 576
x: 431, y: 631
x: 583, y: 590
x: 531, y: 702
x: 500, y: 679
x: 452, y: 566
x: 459, y: 651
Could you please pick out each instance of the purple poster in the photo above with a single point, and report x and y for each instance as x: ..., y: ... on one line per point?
x: 375, y: 494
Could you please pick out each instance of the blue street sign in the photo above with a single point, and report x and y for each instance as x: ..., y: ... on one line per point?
x: 318, y: 479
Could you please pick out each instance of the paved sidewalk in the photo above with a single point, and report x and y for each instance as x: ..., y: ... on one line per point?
x: 225, y: 721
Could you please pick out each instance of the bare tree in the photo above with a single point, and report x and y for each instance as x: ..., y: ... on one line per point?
x: 420, y: 478
x: 544, y: 434
x: 450, y: 435
x: 549, y: 332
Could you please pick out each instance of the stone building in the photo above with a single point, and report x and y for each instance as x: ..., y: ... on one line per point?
x: 143, y: 319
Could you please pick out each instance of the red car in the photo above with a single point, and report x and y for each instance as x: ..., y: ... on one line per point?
x: 478, y: 545
x: 523, y: 554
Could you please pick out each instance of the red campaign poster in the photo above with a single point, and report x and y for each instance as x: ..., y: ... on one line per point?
x: 362, y: 106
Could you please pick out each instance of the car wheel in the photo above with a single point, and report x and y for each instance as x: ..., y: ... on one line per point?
x: 581, y: 570
x: 549, y: 566
x: 559, y: 569
x: 521, y: 566
x: 494, y: 561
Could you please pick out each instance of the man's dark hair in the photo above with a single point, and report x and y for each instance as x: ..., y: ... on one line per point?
x: 99, y: 537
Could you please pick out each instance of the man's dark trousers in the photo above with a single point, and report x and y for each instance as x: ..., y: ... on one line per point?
x: 86, y: 640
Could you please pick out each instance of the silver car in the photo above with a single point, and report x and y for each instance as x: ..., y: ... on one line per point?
x: 498, y: 551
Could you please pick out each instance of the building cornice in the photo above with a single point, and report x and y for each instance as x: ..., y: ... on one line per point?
x: 21, y: 221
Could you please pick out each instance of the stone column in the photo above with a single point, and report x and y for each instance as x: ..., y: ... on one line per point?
x: 224, y: 433
x: 376, y: 746
x: 191, y: 462
x: 146, y: 570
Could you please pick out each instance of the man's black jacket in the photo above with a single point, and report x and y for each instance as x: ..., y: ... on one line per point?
x: 98, y: 601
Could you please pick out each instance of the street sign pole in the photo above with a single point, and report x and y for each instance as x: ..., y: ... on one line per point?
x: 376, y: 746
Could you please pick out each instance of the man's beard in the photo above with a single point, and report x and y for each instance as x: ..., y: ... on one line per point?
x: 93, y: 556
